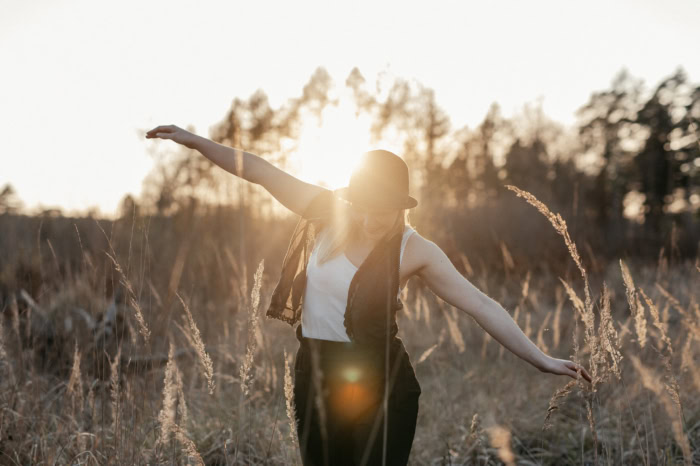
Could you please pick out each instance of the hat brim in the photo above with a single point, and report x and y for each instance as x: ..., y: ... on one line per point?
x: 408, y: 203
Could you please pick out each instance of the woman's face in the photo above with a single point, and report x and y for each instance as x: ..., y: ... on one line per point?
x: 373, y: 223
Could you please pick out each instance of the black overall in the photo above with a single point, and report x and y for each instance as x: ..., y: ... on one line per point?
x: 343, y: 423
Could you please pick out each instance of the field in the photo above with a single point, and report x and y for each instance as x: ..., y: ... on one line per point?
x: 145, y: 341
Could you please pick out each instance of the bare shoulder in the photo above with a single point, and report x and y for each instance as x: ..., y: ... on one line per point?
x: 420, y: 252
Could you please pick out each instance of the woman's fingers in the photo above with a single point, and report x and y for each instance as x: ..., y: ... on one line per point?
x: 586, y: 375
x: 172, y: 133
x: 158, y: 131
x: 573, y: 371
x: 154, y: 130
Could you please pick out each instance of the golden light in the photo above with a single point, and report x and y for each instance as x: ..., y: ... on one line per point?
x: 329, y: 149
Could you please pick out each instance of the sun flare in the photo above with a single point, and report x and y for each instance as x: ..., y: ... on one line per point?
x: 331, y: 146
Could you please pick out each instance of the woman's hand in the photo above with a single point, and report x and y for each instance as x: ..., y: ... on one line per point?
x: 174, y: 133
x: 564, y: 367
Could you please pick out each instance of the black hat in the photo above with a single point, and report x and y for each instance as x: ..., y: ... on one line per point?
x: 380, y: 180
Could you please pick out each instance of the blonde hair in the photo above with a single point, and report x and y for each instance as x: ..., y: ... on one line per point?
x: 336, y: 234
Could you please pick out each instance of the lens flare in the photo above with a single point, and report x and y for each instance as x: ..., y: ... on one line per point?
x: 352, y: 400
x: 351, y: 374
x: 355, y: 391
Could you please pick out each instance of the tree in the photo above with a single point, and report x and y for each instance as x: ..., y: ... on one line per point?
x: 472, y: 175
x: 129, y: 207
x: 364, y: 101
x: 608, y: 131
x: 10, y: 203
x: 527, y: 167
x: 671, y: 146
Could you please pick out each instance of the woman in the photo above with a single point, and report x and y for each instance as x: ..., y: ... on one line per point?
x: 356, y: 394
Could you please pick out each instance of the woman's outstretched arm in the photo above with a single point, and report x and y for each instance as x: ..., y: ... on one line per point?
x: 290, y: 191
x: 446, y: 282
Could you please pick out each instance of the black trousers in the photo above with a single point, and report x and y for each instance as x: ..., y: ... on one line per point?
x: 339, y: 393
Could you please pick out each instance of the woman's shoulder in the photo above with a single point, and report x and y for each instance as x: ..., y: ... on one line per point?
x: 414, y: 240
x: 409, y: 231
x: 418, y: 249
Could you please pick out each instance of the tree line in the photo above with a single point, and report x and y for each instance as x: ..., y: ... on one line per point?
x: 625, y: 176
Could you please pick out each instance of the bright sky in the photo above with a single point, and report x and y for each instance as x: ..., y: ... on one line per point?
x: 81, y: 80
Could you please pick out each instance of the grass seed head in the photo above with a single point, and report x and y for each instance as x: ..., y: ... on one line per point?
x: 636, y: 307
x: 555, y: 402
x: 289, y: 400
x: 114, y: 390
x: 166, y: 417
x: 75, y: 383
x: 500, y: 438
x: 196, y: 340
x: 609, y: 340
x: 251, y: 347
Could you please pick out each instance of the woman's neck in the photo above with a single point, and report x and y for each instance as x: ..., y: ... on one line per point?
x: 360, y: 240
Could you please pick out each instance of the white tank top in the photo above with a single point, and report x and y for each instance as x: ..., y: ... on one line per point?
x: 326, y: 294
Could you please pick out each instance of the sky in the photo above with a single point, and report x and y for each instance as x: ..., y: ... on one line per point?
x: 82, y: 81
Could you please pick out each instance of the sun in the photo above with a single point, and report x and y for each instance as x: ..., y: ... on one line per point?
x: 331, y: 146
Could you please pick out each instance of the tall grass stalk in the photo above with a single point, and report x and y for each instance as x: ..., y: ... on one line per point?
x: 635, y: 305
x: 556, y: 323
x: 173, y: 416
x: 166, y: 417
x: 555, y: 402
x: 650, y: 380
x: 654, y: 312
x: 609, y: 339
x: 188, y: 445
x: 586, y: 311
x: 5, y: 364
x: 289, y: 402
x: 500, y: 438
x: 245, y: 375
x: 138, y: 313
x: 560, y: 227
x: 115, y: 396
x: 74, y: 388
x: 196, y: 339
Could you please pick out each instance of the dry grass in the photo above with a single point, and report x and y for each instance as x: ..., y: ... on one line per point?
x: 74, y: 389
x: 196, y: 340
x: 5, y: 363
x: 245, y: 372
x: 671, y: 404
x: 636, y: 307
x: 143, y: 328
x: 501, y: 441
x: 166, y: 417
x: 289, y: 401
x: 480, y: 404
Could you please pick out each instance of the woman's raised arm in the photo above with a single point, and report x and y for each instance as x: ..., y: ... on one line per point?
x: 435, y: 268
x: 293, y: 193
